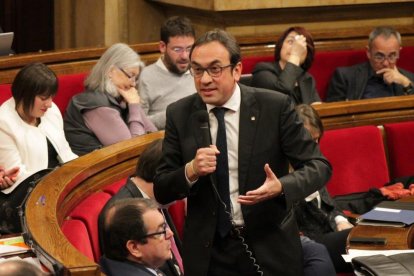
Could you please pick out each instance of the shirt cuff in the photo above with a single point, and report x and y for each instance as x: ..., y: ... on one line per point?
x: 189, y: 182
x: 339, y: 219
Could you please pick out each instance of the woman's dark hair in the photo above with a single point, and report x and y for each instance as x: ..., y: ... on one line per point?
x: 309, y: 45
x: 149, y: 160
x: 33, y: 80
x: 309, y: 116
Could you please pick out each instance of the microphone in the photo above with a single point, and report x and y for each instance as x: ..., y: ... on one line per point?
x: 203, y: 120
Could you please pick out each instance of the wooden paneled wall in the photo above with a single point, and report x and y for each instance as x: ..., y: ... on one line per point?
x: 100, y: 23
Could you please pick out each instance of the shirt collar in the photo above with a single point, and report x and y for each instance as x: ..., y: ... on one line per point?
x: 233, y: 103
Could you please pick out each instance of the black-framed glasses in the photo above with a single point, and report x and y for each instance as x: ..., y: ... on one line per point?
x: 131, y: 78
x: 180, y: 50
x: 158, y: 235
x: 392, y: 58
x: 213, y: 71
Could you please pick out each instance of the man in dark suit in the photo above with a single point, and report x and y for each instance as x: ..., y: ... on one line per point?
x: 379, y: 76
x: 140, y: 186
x: 137, y: 238
x: 262, y: 135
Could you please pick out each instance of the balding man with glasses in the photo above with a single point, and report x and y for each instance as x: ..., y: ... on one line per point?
x: 137, y: 238
x: 379, y: 76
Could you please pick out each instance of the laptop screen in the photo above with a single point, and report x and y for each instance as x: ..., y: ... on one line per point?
x: 6, y: 40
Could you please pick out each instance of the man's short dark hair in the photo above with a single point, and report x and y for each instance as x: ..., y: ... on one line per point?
x: 149, y: 160
x: 225, y: 39
x: 33, y: 80
x: 310, y: 46
x: 124, y: 222
x: 176, y: 26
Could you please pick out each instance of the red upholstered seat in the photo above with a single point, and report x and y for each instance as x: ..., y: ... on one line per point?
x: 325, y: 63
x: 177, y: 212
x: 358, y: 159
x: 113, y: 188
x: 5, y: 92
x: 69, y: 85
x: 400, y: 138
x: 88, y: 212
x: 77, y: 234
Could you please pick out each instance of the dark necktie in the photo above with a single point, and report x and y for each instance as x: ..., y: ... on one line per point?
x: 222, y: 174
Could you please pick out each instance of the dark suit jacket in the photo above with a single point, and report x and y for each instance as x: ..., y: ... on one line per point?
x: 269, y: 75
x: 348, y: 83
x: 130, y: 190
x: 269, y: 132
x: 313, y: 221
x: 128, y: 268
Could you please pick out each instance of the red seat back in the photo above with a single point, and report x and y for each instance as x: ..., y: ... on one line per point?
x: 177, y: 212
x: 325, y: 63
x: 5, y: 92
x: 88, y: 212
x: 69, y: 85
x: 357, y: 157
x: 113, y: 188
x: 77, y: 234
x: 399, y: 138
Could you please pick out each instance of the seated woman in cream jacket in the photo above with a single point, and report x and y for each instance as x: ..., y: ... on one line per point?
x: 31, y: 134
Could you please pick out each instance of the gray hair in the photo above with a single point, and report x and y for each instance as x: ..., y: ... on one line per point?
x: 386, y: 32
x: 119, y: 55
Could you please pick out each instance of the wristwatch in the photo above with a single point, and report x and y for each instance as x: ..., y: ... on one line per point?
x: 408, y: 89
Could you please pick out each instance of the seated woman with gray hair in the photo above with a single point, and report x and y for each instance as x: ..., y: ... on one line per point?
x: 109, y: 111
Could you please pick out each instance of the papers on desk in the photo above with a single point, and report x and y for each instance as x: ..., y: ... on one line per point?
x: 32, y: 260
x: 389, y: 213
x: 13, y: 246
x: 352, y: 253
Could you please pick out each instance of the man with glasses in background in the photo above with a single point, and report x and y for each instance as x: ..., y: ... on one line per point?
x: 168, y: 79
x: 379, y: 76
x: 137, y: 238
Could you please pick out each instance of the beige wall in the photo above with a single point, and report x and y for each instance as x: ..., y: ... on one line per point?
x: 89, y: 23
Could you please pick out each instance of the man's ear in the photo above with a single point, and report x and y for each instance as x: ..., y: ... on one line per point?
x: 237, y: 71
x: 162, y: 46
x: 368, y: 52
x: 134, y: 249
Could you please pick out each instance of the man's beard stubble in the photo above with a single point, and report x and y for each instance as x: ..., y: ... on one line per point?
x: 171, y: 66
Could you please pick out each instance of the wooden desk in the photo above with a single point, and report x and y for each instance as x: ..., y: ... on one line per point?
x: 397, y: 238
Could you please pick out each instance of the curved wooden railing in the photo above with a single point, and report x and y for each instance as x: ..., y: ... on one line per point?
x: 377, y: 111
x: 61, y: 190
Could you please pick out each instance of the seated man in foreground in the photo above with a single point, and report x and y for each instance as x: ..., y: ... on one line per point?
x: 137, y: 239
x: 140, y: 186
x: 379, y: 76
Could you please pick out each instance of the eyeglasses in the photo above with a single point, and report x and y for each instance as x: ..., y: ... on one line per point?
x: 379, y: 57
x: 213, y: 71
x: 158, y: 235
x: 131, y: 78
x: 180, y: 50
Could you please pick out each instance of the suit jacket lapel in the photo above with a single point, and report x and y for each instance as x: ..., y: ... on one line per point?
x: 361, y: 78
x: 249, y: 116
